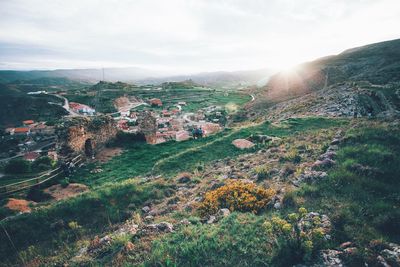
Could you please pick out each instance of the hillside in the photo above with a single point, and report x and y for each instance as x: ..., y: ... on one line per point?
x: 16, y: 106
x: 305, y: 175
x: 376, y: 64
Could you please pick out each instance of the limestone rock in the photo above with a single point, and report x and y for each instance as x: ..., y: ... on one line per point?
x: 242, y: 143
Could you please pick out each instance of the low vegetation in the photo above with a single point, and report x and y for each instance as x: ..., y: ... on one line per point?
x: 236, y: 196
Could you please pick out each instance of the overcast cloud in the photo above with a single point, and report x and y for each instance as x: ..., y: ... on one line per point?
x: 187, y: 36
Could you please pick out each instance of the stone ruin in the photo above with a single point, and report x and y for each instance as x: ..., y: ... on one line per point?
x: 147, y: 123
x: 84, y: 135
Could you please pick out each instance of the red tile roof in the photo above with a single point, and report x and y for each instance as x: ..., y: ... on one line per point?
x: 21, y: 130
x: 27, y: 122
x: 31, y: 155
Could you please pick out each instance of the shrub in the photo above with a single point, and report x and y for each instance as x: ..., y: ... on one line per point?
x: 42, y: 164
x: 17, y: 166
x: 293, y: 156
x: 262, y: 172
x: 236, y: 196
x: 64, y: 182
x: 38, y: 195
x: 297, y: 239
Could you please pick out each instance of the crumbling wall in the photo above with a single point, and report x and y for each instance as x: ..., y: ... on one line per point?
x: 84, y: 135
x: 147, y: 123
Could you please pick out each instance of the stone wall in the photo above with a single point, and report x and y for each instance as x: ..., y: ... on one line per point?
x: 148, y: 126
x: 84, y: 135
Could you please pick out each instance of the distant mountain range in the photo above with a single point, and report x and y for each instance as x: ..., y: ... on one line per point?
x: 137, y: 75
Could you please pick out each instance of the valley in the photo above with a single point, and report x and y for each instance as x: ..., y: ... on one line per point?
x: 302, y: 171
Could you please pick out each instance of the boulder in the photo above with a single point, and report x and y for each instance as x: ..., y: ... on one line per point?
x: 243, y: 144
x: 392, y: 254
x: 165, y: 227
x: 331, y: 257
x: 222, y: 213
x: 184, y: 177
x: 146, y: 209
x: 328, y: 155
x: 325, y: 163
x: 211, y: 219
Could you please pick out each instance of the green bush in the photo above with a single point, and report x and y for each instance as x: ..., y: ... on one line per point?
x: 17, y: 166
x: 41, y: 164
x: 297, y: 237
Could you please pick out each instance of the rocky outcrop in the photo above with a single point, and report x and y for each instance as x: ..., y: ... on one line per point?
x: 242, y: 143
x: 84, y: 135
x: 148, y: 126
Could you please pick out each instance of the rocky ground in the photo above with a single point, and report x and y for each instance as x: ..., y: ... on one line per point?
x: 340, y: 100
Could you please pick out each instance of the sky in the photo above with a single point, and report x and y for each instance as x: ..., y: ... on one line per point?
x: 187, y: 36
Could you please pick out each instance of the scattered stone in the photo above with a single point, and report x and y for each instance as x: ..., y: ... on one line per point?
x: 382, y: 261
x: 345, y: 245
x: 332, y: 148
x: 392, y: 254
x: 211, y: 219
x: 222, y: 213
x: 310, y: 177
x: 242, y: 143
x: 146, y: 209
x: 184, y: 177
x: 335, y: 141
x: 97, y: 170
x: 277, y: 205
x: 165, y: 227
x: 331, y: 257
x: 149, y: 218
x: 350, y: 250
x: 128, y: 227
x: 185, y: 222
x: 325, y: 163
x: 328, y: 155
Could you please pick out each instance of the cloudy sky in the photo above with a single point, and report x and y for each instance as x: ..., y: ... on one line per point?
x: 187, y: 35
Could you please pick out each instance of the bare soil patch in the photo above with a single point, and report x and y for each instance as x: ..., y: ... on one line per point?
x: 58, y: 192
x: 20, y: 205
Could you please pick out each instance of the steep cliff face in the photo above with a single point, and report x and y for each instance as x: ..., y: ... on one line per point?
x: 85, y: 135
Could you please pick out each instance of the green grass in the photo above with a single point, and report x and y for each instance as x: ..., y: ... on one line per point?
x: 172, y: 157
x: 236, y: 241
x: 364, y: 205
x: 94, y: 212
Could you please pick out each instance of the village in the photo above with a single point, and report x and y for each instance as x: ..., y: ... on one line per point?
x: 170, y: 122
x: 158, y: 122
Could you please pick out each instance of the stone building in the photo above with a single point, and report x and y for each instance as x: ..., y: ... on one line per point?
x: 84, y: 135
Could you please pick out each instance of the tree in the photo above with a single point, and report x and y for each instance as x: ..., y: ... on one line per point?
x: 42, y: 163
x: 17, y: 166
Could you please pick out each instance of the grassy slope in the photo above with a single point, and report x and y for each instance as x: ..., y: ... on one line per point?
x: 94, y: 212
x: 362, y: 207
x: 172, y: 157
x: 108, y: 203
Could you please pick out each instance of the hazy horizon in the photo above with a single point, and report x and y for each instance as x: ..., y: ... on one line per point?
x: 180, y: 37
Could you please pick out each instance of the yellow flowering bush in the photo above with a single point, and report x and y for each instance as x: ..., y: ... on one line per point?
x: 297, y: 233
x: 236, y: 195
